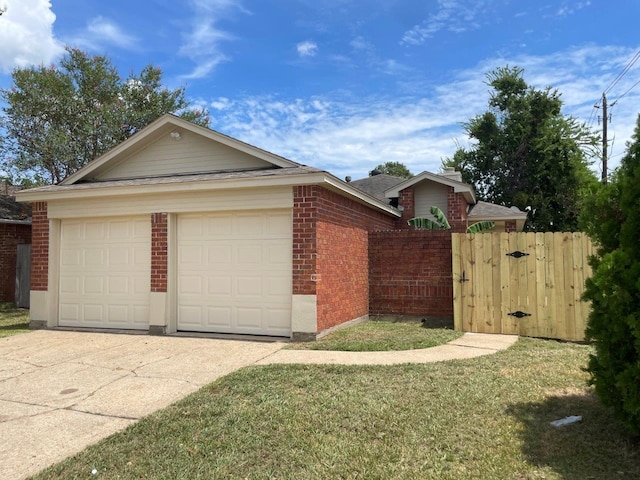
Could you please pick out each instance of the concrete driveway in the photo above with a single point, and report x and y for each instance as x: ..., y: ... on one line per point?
x: 61, y: 391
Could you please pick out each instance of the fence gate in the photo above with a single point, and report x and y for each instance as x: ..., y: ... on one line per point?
x: 527, y: 284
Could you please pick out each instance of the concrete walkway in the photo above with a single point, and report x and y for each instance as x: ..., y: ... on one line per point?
x: 62, y: 391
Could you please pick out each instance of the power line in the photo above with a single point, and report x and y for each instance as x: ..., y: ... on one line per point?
x: 631, y: 63
x: 632, y: 87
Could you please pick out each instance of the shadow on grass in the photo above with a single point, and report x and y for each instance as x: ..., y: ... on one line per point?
x: 595, y: 448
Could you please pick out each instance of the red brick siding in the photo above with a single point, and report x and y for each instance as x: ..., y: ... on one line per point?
x: 159, y: 251
x: 11, y: 235
x: 510, y: 226
x: 305, y: 216
x: 406, y: 202
x: 330, y: 252
x: 39, y: 247
x: 456, y: 211
x: 410, y: 273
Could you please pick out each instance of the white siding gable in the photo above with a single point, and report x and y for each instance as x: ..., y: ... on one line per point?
x: 192, y: 153
x: 427, y: 194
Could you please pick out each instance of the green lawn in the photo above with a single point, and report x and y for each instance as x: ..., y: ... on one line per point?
x: 13, y: 320
x: 484, y: 418
x: 380, y: 336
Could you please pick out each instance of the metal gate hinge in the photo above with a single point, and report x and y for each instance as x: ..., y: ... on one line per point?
x: 463, y: 278
x: 517, y: 254
x: 519, y: 314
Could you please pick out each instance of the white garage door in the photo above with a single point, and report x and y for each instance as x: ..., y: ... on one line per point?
x: 234, y: 273
x: 105, y: 268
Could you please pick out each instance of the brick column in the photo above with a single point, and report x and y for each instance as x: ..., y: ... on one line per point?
x: 406, y: 201
x: 39, y: 247
x: 305, y: 217
x: 510, y: 226
x: 456, y: 211
x: 159, y: 255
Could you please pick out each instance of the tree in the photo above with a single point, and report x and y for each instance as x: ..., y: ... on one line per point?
x: 526, y: 153
x: 614, y: 292
x: 397, y: 169
x: 57, y: 119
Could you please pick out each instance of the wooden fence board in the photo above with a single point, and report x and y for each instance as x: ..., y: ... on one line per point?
x: 545, y: 285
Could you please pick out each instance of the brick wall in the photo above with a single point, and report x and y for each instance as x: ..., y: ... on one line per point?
x: 410, y: 273
x: 510, y: 226
x: 159, y: 252
x: 39, y: 246
x: 330, y: 252
x: 456, y: 211
x: 11, y: 235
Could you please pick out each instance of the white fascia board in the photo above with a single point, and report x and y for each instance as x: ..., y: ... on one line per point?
x: 315, y: 178
x: 458, y: 187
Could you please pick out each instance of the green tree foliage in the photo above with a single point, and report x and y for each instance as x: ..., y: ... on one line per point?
x: 526, y: 153
x: 397, y: 169
x: 59, y: 118
x: 614, y: 291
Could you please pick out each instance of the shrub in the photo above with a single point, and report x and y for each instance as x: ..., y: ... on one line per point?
x: 614, y: 292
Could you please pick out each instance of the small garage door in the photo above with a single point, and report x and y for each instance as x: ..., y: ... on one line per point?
x: 104, y: 273
x: 234, y: 273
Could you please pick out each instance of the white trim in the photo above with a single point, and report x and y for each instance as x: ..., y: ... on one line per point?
x: 458, y: 187
x: 98, y: 190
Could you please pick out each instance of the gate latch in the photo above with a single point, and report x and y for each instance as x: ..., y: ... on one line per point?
x: 519, y: 314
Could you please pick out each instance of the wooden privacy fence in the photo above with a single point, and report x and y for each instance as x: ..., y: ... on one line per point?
x: 527, y: 284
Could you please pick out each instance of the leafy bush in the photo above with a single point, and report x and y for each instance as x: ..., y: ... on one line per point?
x: 614, y: 292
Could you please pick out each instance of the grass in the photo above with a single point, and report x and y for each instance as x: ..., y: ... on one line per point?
x: 376, y: 336
x: 485, y: 418
x: 13, y: 320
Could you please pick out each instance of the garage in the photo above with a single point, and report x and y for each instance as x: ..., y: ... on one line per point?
x: 234, y: 272
x: 104, y: 273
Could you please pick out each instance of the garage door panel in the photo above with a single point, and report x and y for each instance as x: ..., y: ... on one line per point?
x: 249, y: 287
x: 105, y: 273
x: 219, y: 254
x: 246, y: 272
x: 93, y: 285
x: 220, y: 286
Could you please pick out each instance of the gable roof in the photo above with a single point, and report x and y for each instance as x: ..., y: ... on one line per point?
x: 376, y: 185
x: 168, y: 124
x: 458, y: 187
x: 268, y: 170
x: 491, y: 211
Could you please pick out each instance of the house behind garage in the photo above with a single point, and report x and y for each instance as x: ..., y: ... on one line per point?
x: 15, y: 238
x: 181, y: 228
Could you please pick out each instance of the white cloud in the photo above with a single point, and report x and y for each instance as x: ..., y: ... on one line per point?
x: 351, y: 135
x: 569, y: 8
x: 307, y: 48
x: 202, y: 43
x: 26, y: 34
x: 101, y: 33
x: 451, y: 15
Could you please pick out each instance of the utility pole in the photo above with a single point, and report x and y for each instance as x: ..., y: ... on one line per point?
x: 605, y: 120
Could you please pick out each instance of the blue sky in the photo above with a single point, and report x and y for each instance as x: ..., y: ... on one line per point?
x: 344, y: 85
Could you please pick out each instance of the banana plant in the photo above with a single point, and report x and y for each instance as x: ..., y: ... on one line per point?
x: 441, y: 223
